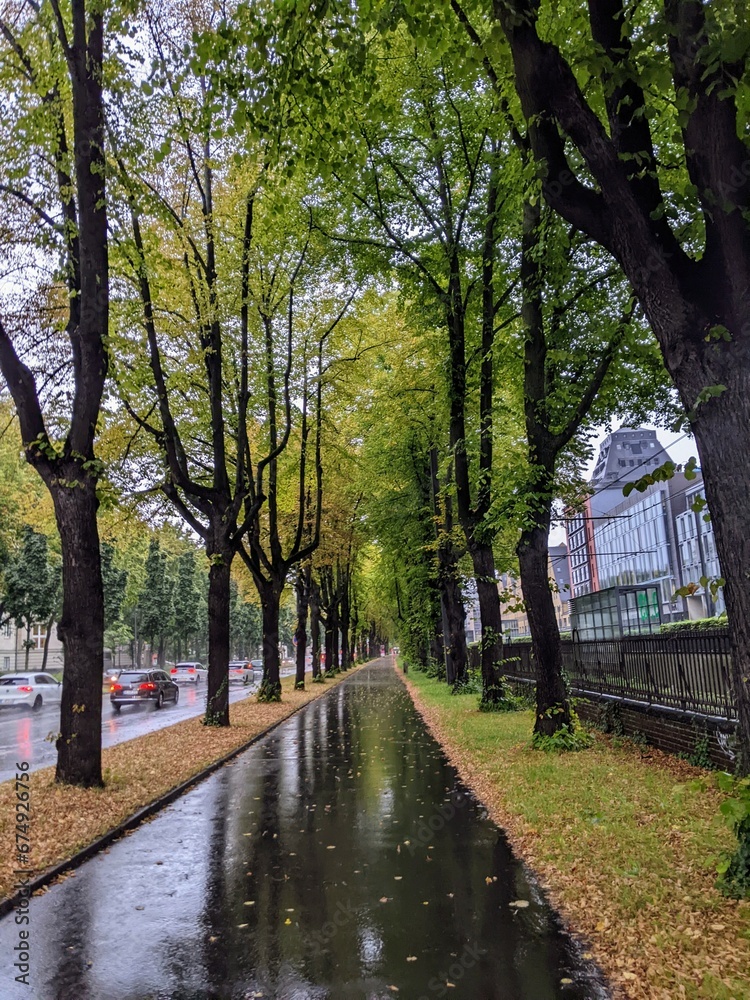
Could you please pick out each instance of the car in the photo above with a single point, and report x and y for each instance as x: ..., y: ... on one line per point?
x: 29, y: 690
x: 190, y: 672
x: 240, y: 672
x: 257, y: 665
x: 141, y: 687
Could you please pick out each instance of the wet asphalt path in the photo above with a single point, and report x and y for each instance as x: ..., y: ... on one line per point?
x: 25, y: 735
x: 337, y: 859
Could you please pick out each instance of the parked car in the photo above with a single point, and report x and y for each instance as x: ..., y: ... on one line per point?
x: 257, y: 665
x: 29, y: 690
x: 138, y: 687
x: 189, y: 672
x: 240, y: 672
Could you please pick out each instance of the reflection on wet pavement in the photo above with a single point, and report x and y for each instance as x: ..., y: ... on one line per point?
x: 338, y: 859
x: 30, y: 736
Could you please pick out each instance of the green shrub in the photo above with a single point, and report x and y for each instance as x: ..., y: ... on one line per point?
x: 569, y: 738
x: 695, y: 625
x: 734, y: 869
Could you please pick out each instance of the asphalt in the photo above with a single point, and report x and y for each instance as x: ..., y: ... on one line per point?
x: 29, y: 736
x: 339, y: 858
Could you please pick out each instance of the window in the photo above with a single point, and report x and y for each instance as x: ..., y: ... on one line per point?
x: 6, y: 663
x: 38, y: 635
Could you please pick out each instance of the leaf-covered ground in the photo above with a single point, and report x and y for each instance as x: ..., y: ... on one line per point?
x: 63, y: 819
x: 625, y: 850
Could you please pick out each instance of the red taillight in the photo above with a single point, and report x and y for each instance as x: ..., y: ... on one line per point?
x: 26, y: 689
x: 148, y: 686
x: 115, y: 687
x: 173, y: 670
x: 191, y: 670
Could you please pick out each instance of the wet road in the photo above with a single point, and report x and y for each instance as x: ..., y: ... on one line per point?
x: 337, y: 859
x: 25, y: 735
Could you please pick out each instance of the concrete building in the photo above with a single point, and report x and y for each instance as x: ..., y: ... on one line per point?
x: 13, y: 651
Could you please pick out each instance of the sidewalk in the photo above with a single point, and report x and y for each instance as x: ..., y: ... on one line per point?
x: 337, y: 858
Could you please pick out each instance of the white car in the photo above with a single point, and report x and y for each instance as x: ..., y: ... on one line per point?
x: 29, y: 689
x: 188, y: 673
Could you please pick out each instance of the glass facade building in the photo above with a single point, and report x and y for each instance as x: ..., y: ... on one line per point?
x: 634, y: 547
x: 698, y: 557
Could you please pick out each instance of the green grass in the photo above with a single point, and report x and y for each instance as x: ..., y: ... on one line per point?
x: 627, y: 846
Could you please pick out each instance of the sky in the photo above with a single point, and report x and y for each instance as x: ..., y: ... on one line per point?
x: 679, y: 447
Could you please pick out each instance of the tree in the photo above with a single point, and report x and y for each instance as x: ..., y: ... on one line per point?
x: 114, y: 581
x: 448, y: 553
x: 651, y: 161
x: 430, y: 197
x: 57, y: 85
x: 157, y: 600
x: 302, y: 585
x: 190, y: 390
x: 186, y: 600
x: 584, y: 357
x: 30, y: 586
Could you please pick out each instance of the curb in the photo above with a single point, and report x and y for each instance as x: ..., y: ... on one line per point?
x: 9, y: 903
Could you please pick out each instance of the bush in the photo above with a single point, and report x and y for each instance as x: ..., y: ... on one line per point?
x: 695, y: 625
x: 567, y: 739
x: 734, y: 869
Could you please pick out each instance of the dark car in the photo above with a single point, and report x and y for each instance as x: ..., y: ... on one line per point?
x: 137, y: 687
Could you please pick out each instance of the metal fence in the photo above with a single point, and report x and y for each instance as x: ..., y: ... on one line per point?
x: 687, y: 672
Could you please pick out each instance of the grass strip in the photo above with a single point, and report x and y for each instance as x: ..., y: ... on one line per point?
x: 63, y: 820
x: 624, y: 849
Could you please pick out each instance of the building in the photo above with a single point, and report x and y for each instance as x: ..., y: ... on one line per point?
x: 698, y: 557
x: 635, y: 552
x: 472, y: 617
x: 516, y: 621
x: 13, y: 650
x: 624, y: 455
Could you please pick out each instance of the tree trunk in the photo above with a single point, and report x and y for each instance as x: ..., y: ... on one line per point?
x: 302, y: 588
x: 27, y: 647
x: 270, y: 688
x: 552, y: 705
x: 437, y: 649
x: 724, y: 423
x: 344, y: 621
x: 493, y: 689
x: 50, y: 622
x: 454, y: 625
x: 328, y: 635
x: 219, y: 598
x: 81, y: 631
x: 315, y: 631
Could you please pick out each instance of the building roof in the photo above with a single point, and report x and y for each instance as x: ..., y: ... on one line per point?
x: 624, y: 455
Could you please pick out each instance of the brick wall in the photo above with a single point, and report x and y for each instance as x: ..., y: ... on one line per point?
x: 674, y: 734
